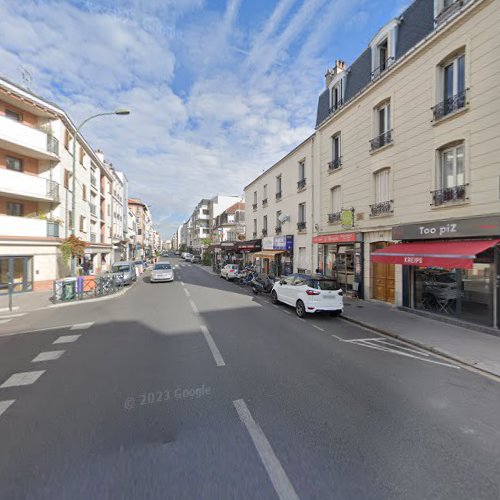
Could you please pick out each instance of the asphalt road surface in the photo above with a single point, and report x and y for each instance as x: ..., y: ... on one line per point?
x: 198, y: 389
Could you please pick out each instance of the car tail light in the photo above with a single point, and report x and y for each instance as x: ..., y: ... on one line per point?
x: 231, y: 271
x: 312, y: 292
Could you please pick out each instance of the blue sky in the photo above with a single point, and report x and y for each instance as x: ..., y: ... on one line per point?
x: 219, y: 90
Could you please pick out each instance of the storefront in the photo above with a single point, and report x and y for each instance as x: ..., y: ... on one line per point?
x: 340, y: 256
x: 276, y: 257
x: 247, y: 249
x: 450, y: 268
x: 18, y: 269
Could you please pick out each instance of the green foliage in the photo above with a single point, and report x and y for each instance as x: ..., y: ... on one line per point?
x: 72, y: 246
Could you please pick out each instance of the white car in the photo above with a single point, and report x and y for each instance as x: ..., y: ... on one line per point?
x: 162, y: 271
x: 309, y: 294
x: 229, y: 271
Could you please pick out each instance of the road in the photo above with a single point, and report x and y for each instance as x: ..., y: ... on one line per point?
x: 198, y: 389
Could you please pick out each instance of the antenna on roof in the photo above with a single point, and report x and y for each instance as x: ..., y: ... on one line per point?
x: 26, y: 77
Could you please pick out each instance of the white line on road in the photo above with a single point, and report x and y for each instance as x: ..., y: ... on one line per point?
x: 186, y: 291
x: 48, y: 356
x: 219, y: 361
x: 66, y: 339
x: 277, y: 475
x: 320, y: 329
x: 5, y: 404
x: 193, y: 306
x: 82, y: 326
x: 24, y: 378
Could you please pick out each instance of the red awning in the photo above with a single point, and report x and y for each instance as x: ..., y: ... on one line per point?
x: 449, y: 254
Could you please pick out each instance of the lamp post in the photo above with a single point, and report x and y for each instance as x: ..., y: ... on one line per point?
x: 73, y: 203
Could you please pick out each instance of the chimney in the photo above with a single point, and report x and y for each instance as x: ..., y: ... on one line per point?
x: 99, y: 155
x: 339, y: 67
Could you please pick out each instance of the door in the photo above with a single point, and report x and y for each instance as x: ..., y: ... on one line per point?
x: 21, y: 271
x: 285, y: 289
x: 383, y: 281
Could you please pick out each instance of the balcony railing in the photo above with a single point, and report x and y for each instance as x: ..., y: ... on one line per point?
x: 449, y: 105
x: 264, y: 232
x: 264, y: 202
x: 449, y: 195
x: 381, y: 208
x: 335, y: 164
x: 52, y: 189
x: 254, y: 206
x: 93, y: 209
x: 277, y: 229
x: 448, y: 12
x: 301, y: 226
x: 52, y: 145
x: 31, y: 187
x: 301, y: 184
x: 383, y: 67
x: 278, y: 196
x: 334, y: 217
x: 93, y: 237
x: 381, y: 140
x: 336, y: 107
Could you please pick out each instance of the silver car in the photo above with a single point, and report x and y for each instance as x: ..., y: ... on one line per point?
x: 162, y: 271
x: 124, y: 272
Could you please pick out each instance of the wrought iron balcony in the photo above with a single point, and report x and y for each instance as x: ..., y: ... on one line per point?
x: 278, y: 195
x: 336, y: 107
x: 449, y: 195
x: 381, y: 208
x: 52, y: 190
x: 264, y: 202
x: 335, y: 164
x: 277, y: 229
x: 301, y: 226
x: 449, y: 105
x: 383, y: 67
x: 301, y: 184
x: 254, y: 206
x: 264, y: 232
x: 381, y: 140
x: 334, y: 217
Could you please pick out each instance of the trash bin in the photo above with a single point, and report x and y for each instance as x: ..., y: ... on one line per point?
x: 68, y: 289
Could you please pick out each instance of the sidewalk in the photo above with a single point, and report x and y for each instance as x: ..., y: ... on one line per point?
x: 23, y: 302
x: 209, y: 270
x: 471, y: 347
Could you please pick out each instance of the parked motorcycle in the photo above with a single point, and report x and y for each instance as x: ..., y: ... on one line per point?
x: 262, y: 283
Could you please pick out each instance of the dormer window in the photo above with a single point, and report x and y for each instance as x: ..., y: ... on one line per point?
x: 383, y: 47
x: 335, y: 80
x: 444, y: 9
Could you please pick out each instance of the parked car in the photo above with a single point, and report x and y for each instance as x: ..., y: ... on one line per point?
x: 124, y: 272
x: 186, y: 256
x: 196, y: 259
x: 162, y: 271
x: 229, y: 271
x: 309, y: 294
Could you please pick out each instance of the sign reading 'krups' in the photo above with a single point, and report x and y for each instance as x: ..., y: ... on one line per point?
x: 456, y: 228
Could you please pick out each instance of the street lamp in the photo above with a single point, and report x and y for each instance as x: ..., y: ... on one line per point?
x: 119, y: 111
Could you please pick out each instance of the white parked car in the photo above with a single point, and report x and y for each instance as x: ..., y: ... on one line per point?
x: 309, y: 294
x: 229, y: 271
x: 162, y: 271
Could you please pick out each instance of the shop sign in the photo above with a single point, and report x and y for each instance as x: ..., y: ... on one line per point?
x: 267, y: 243
x: 456, y: 228
x: 248, y: 246
x: 347, y: 218
x: 227, y: 244
x: 335, y: 238
x: 283, y: 243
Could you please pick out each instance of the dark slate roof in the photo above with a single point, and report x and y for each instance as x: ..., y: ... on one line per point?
x: 417, y: 23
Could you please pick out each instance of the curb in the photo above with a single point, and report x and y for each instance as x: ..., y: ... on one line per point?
x: 433, y: 350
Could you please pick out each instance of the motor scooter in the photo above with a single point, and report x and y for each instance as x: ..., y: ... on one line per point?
x: 262, y: 283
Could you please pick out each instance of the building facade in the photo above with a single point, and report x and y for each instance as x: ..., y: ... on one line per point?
x: 144, y: 234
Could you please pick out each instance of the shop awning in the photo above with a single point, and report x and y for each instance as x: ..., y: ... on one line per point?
x: 268, y: 254
x: 449, y: 254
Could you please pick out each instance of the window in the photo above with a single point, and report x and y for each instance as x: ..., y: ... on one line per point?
x: 383, y: 55
x: 452, y: 87
x: 278, y: 187
x: 15, y: 209
x: 382, y: 185
x: 384, y: 118
x: 67, y: 139
x: 13, y: 115
x: 335, y: 200
x: 383, y: 48
x: 82, y: 155
x: 336, y: 96
x: 443, y: 9
x: 451, y: 172
x: 82, y: 223
x: 70, y: 218
x: 67, y: 177
x: 336, y: 155
x: 14, y: 164
x: 84, y: 192
x: 302, y: 213
x: 382, y: 126
x: 264, y: 192
x: 264, y: 224
x: 302, y: 170
x: 139, y: 231
x: 206, y: 212
x: 278, y: 222
x: 255, y: 227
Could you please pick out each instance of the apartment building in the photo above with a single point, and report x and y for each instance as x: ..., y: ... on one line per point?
x: 131, y: 247
x: 200, y: 225
x: 144, y: 235
x: 229, y: 226
x: 280, y: 212
x: 36, y: 193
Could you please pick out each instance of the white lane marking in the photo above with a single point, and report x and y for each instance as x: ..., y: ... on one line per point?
x: 2, y: 321
x: 219, y: 361
x: 277, y: 475
x: 320, y: 329
x: 66, y: 339
x: 23, y: 378
x: 386, y: 342
x: 5, y: 404
x: 186, y: 291
x: 193, y: 306
x: 82, y: 326
x: 48, y: 356
x: 3, y: 316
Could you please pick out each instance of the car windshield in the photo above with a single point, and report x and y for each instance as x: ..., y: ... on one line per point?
x: 323, y: 284
x: 121, y: 268
x: 162, y: 267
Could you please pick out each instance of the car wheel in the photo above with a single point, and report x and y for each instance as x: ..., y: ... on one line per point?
x: 335, y: 314
x: 274, y: 297
x: 300, y: 309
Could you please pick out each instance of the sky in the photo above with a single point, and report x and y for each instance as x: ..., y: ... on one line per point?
x: 219, y: 90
